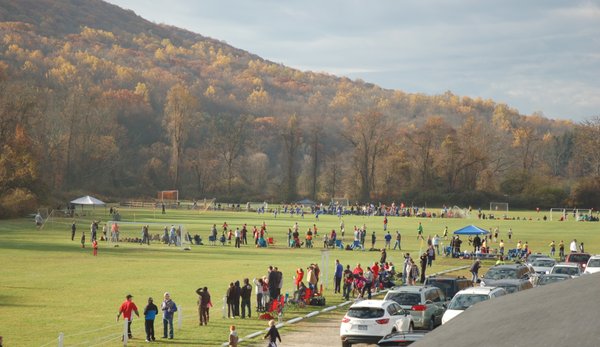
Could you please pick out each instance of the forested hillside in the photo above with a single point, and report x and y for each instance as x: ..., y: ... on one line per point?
x: 96, y: 99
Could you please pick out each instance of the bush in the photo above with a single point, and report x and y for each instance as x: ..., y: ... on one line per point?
x: 17, y: 202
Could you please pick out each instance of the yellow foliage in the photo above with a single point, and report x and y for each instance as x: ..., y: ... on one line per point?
x: 97, y: 34
x: 258, y: 97
x: 142, y: 90
x: 210, y: 92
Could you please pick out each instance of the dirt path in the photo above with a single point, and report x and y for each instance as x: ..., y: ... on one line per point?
x: 322, y: 331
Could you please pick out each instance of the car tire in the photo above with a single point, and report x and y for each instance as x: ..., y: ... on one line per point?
x: 346, y: 344
x: 431, y: 323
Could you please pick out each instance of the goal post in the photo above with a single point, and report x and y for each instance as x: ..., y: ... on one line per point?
x: 498, y: 206
x: 171, y: 196
x: 340, y: 202
x: 565, y: 213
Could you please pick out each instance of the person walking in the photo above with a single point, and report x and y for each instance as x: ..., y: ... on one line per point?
x: 83, y: 239
x: 150, y: 313
x: 203, y: 305
x: 368, y: 283
x: 373, y: 240
x: 423, y: 259
x: 388, y: 240
x: 348, y: 279
x: 168, y: 308
x: 73, y: 230
x: 272, y: 334
x: 398, y: 239
x: 475, y: 270
x: 436, y: 243
x: 552, y: 248
x: 339, y: 269
x: 126, y: 308
x: 420, y: 232
x: 561, y: 250
x: 245, y: 293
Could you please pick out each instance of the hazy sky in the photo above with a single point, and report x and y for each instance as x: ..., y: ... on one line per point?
x: 533, y: 55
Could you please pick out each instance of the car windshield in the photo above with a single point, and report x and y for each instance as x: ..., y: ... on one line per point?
x: 550, y: 279
x: 501, y: 273
x: 365, y: 312
x: 464, y: 301
x: 405, y: 299
x: 578, y: 258
x: 543, y: 263
x: 594, y: 263
x: 566, y: 270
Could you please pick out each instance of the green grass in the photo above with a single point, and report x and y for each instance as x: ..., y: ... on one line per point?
x: 51, y: 285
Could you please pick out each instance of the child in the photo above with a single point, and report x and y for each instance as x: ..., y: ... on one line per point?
x: 95, y: 247
x: 233, y: 337
x: 150, y: 313
x: 272, y: 334
x: 83, y: 240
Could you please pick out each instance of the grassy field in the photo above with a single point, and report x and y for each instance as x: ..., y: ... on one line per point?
x: 51, y: 285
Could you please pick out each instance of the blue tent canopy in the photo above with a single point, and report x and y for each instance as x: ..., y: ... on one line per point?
x: 471, y: 230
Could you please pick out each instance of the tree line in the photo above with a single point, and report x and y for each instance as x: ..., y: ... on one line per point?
x: 125, y: 113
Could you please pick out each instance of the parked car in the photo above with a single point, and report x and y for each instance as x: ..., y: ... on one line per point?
x: 551, y: 278
x: 532, y: 257
x: 571, y: 269
x: 367, y: 321
x: 542, y: 265
x: 401, y: 338
x: 449, y: 285
x: 469, y: 297
x: 508, y: 271
x: 579, y: 258
x: 593, y: 265
x: 425, y: 303
x: 513, y: 286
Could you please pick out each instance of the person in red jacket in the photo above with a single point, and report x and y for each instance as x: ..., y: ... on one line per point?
x: 95, y: 248
x: 126, y: 308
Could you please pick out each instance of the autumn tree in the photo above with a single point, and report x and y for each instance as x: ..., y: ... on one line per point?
x: 291, y: 136
x: 180, y: 110
x: 368, y: 134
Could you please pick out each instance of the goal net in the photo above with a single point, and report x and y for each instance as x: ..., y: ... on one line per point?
x: 457, y: 212
x: 562, y: 213
x: 168, y: 196
x: 498, y: 207
x: 115, y: 232
x: 340, y: 202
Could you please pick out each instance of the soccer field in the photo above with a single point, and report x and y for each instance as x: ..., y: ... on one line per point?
x: 51, y: 285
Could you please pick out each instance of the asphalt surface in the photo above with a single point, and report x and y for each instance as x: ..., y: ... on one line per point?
x: 560, y: 314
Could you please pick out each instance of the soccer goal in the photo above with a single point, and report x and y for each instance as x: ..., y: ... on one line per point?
x: 563, y: 213
x: 132, y: 232
x: 168, y: 196
x: 340, y: 202
x: 498, y: 206
x: 457, y: 212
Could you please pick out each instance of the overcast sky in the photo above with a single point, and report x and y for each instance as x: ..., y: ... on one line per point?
x: 533, y: 55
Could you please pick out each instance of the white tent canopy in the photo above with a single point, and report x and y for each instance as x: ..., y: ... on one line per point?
x: 87, y: 200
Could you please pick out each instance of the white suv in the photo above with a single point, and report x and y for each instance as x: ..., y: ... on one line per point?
x: 367, y: 321
x: 593, y: 265
x: 468, y: 297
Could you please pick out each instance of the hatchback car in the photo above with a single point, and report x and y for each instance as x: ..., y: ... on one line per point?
x: 551, y: 278
x: 579, y: 258
x: 426, y: 304
x: 367, y: 321
x: 571, y: 269
x: 543, y: 265
x: 508, y: 271
x: 513, y: 286
x: 469, y: 297
x: 449, y: 285
x: 593, y: 265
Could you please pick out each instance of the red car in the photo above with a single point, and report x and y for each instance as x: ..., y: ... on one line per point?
x: 579, y: 258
